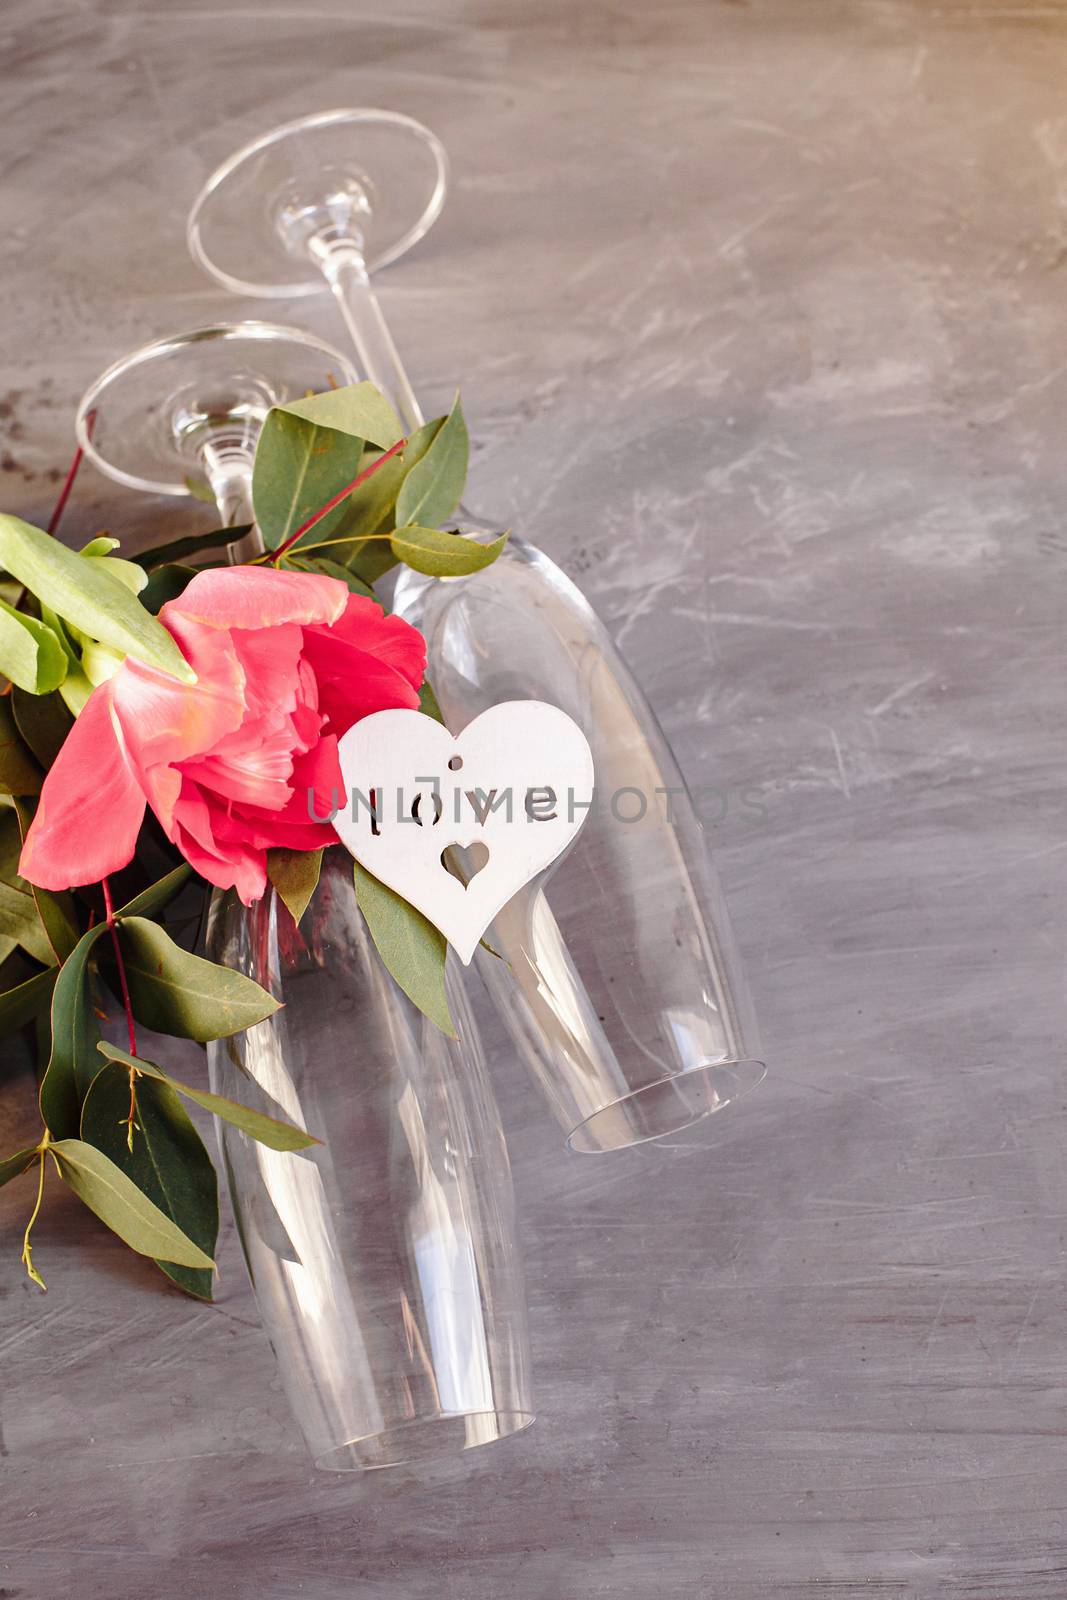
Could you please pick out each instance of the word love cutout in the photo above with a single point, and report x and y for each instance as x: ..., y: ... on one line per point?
x: 512, y: 790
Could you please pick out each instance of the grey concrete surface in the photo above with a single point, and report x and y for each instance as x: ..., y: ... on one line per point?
x: 758, y: 310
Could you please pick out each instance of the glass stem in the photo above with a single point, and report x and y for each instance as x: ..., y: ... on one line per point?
x: 345, y: 270
x: 227, y: 462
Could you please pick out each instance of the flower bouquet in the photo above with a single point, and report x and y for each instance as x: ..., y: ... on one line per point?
x: 170, y: 726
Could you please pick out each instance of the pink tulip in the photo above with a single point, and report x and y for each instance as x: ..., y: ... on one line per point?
x: 286, y: 662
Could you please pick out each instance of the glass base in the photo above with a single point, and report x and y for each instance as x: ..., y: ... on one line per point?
x: 146, y: 421
x: 666, y: 1107
x: 424, y: 1440
x: 375, y: 177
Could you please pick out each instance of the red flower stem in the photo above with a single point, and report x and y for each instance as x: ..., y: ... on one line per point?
x: 120, y: 964
x: 342, y: 494
x: 72, y: 473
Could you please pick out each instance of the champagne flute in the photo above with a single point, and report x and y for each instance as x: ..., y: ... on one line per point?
x: 384, y: 1262
x: 625, y: 993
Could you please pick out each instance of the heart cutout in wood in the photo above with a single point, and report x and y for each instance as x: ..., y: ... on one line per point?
x: 518, y: 782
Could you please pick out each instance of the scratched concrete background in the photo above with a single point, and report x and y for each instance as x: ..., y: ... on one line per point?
x: 758, y: 309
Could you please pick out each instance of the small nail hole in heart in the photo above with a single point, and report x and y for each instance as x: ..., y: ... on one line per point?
x: 465, y: 864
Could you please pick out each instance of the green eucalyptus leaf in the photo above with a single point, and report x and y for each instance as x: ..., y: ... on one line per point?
x: 73, y: 1063
x: 26, y: 1000
x: 433, y: 487
x: 372, y: 559
x: 359, y: 410
x: 175, y: 992
x: 56, y: 911
x: 43, y: 721
x: 295, y: 875
x: 158, y: 895
x: 21, y: 921
x: 298, y: 468
x: 410, y: 946
x: 444, y: 555
x: 192, y: 544
x: 165, y: 583
x: 19, y: 773
x: 88, y: 596
x: 428, y: 703
x: 14, y: 1166
x: 372, y: 507
x: 265, y: 1130
x: 333, y: 569
x: 30, y: 653
x: 168, y: 1162
x: 116, y: 1200
x: 10, y: 848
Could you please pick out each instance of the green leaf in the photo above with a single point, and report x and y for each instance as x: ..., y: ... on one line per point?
x: 410, y: 946
x: 200, y: 489
x: 295, y: 875
x: 168, y: 1162
x: 298, y: 468
x: 56, y: 911
x: 73, y: 1062
x: 21, y: 921
x: 88, y: 596
x: 19, y: 773
x: 14, y: 1166
x: 444, y: 555
x: 26, y: 1000
x: 43, y: 721
x: 433, y: 487
x: 428, y: 703
x: 333, y: 569
x: 30, y: 653
x: 265, y: 1130
x: 359, y: 410
x: 372, y: 559
x: 192, y: 544
x: 372, y: 507
x: 158, y: 895
x: 10, y: 848
x: 175, y: 992
x: 165, y: 583
x: 107, y: 1190
x: 75, y: 690
x: 128, y: 573
x: 102, y: 545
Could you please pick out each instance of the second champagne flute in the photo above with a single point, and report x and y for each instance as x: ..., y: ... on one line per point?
x: 625, y: 993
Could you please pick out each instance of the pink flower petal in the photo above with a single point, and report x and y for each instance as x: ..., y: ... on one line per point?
x: 353, y: 684
x: 234, y: 864
x: 389, y: 639
x: 164, y: 720
x: 256, y: 597
x: 91, y: 806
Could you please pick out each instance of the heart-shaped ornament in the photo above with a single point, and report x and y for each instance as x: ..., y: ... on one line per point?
x: 512, y: 790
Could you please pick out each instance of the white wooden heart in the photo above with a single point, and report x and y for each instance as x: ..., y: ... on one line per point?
x: 517, y: 781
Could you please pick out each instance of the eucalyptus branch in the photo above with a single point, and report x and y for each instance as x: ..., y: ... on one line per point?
x: 274, y: 556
